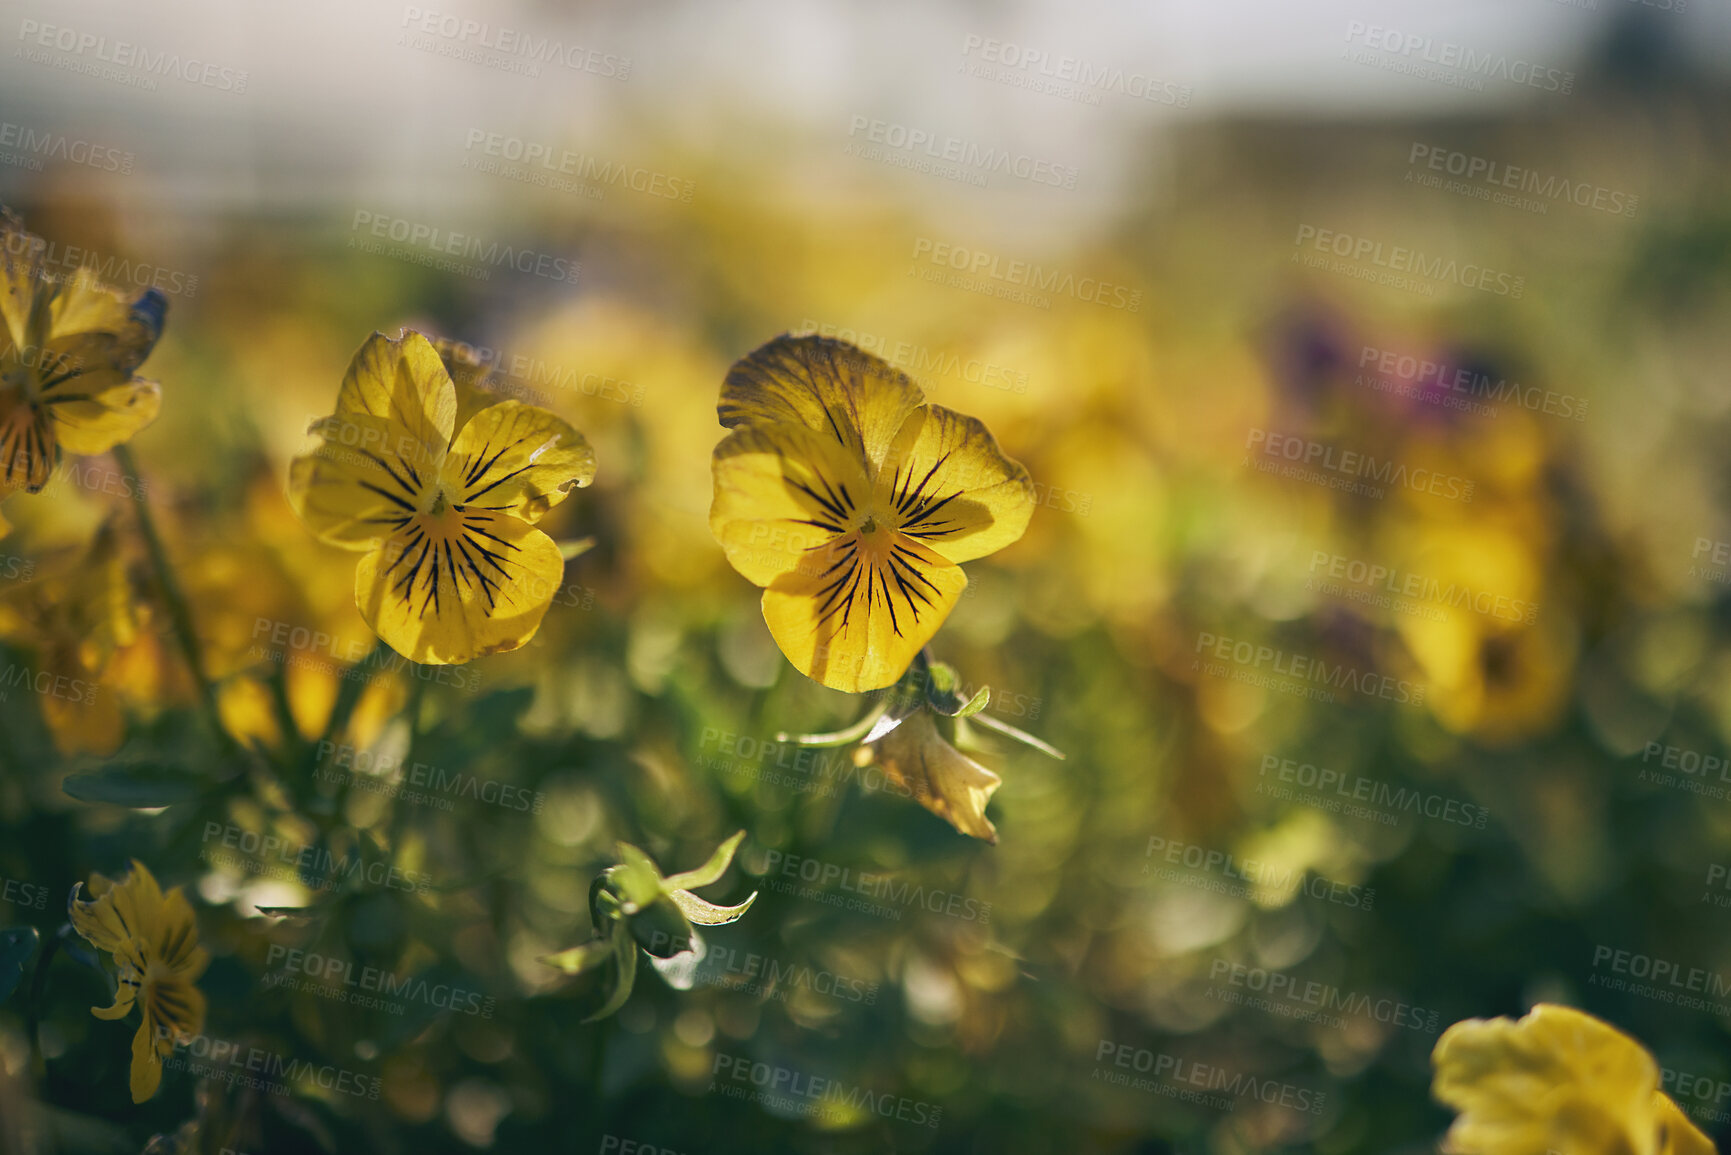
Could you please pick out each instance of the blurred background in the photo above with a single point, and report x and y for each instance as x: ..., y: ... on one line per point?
x: 1370, y: 363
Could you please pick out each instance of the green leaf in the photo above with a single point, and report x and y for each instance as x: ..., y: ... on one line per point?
x: 635, y: 880
x: 707, y: 913
x: 625, y: 952
x: 17, y: 944
x: 710, y: 871
x: 140, y: 785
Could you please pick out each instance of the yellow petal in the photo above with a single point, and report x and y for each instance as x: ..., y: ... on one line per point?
x: 94, y: 412
x: 355, y: 489
x: 857, y: 624
x: 516, y: 459
x: 98, y: 327
x: 476, y: 383
x: 941, y: 778
x: 146, y: 1067
x: 1558, y: 1079
x: 952, y: 488
x: 27, y: 444
x: 404, y: 382
x: 451, y: 588
x: 827, y: 386
x: 783, y: 496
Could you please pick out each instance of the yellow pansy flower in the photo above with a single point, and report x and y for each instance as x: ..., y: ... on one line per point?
x: 68, y: 348
x: 1558, y: 1080
x: 852, y: 501
x: 154, y: 940
x: 443, y: 494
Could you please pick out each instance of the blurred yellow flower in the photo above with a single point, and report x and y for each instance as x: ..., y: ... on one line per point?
x: 68, y: 349
x: 1560, y: 1081
x: 154, y: 940
x: 443, y: 495
x: 852, y: 501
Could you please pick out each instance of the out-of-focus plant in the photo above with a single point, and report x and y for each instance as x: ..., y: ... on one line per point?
x: 1557, y: 1080
x: 68, y: 349
x: 444, y: 508
x: 633, y: 906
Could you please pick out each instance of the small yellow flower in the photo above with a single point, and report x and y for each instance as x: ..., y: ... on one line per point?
x: 68, y: 348
x: 851, y: 501
x: 154, y: 940
x: 1558, y: 1080
x: 442, y: 493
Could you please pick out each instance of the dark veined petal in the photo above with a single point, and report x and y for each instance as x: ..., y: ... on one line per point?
x: 857, y: 624
x: 516, y: 459
x: 952, y: 488
x: 358, y: 488
x: 94, y: 412
x: 784, y: 496
x: 827, y: 386
x: 448, y: 588
x: 27, y: 444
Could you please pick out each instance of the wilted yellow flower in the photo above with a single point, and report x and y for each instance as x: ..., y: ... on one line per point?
x: 154, y: 940
x: 67, y: 353
x: 852, y: 501
x: 444, y: 506
x: 1560, y: 1081
x: 940, y: 777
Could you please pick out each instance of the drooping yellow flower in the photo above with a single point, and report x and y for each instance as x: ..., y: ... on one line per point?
x: 444, y: 507
x: 154, y: 940
x: 852, y: 501
x: 918, y: 759
x: 1558, y: 1080
x: 68, y: 348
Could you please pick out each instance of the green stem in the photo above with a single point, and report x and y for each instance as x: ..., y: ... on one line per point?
x: 839, y: 737
x: 179, y: 614
x: 349, y: 691
x: 1023, y: 736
